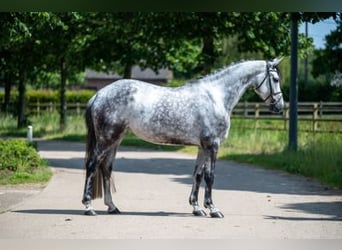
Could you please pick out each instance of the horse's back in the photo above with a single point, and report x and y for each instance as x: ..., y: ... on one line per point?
x: 154, y: 113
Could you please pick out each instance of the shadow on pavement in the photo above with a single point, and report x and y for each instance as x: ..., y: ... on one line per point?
x: 100, y: 212
x: 229, y: 175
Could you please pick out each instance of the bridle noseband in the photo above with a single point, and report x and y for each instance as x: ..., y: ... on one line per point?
x: 272, y: 93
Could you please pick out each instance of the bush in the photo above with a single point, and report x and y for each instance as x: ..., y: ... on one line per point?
x: 21, y: 163
x: 45, y: 96
x: 81, y: 96
x: 18, y: 156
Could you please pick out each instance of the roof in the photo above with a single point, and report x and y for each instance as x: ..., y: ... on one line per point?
x: 137, y: 73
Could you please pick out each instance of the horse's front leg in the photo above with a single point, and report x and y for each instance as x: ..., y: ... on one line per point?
x: 209, y: 175
x: 198, y: 175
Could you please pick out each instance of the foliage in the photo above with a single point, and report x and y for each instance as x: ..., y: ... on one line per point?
x: 29, y: 52
x: 81, y: 96
x: 51, y: 80
x: 318, y: 91
x: 45, y: 96
x: 21, y: 163
x: 18, y: 155
x: 41, y: 96
x: 336, y: 81
x: 328, y: 60
x: 126, y: 39
x: 21, y: 51
x: 267, y: 32
x: 183, y: 42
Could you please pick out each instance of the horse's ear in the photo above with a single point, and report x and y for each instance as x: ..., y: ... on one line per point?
x: 277, y: 61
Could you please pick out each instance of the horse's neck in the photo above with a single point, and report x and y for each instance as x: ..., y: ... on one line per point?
x: 235, y: 95
x: 233, y: 85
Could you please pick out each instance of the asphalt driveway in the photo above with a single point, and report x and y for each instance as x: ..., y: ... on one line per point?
x: 152, y: 193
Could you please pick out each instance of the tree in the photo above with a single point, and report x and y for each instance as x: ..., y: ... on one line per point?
x: 156, y: 39
x: 295, y: 18
x: 12, y: 32
x: 117, y: 41
x: 328, y: 61
x: 21, y: 52
x: 40, y: 42
x: 63, y: 51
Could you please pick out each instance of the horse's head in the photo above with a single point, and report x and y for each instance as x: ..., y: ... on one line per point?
x: 268, y: 87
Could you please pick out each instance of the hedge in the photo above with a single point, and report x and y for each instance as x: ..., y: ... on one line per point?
x: 33, y: 96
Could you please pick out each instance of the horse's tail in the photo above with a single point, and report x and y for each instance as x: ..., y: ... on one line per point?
x: 90, y: 152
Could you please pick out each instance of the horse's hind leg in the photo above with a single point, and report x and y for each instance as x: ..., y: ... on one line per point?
x: 98, y: 174
x: 112, y: 209
x: 89, y: 182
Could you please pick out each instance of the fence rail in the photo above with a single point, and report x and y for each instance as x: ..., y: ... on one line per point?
x: 314, y: 113
x: 38, y: 107
x: 311, y: 112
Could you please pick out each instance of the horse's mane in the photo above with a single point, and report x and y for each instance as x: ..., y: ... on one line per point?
x: 217, y: 73
x: 222, y: 71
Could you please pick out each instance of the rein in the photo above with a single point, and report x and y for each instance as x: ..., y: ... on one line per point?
x: 272, y: 94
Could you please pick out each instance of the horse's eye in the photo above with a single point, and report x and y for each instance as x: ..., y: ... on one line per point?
x: 275, y: 79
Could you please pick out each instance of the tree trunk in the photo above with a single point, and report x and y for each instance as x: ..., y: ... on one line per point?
x: 21, y: 100
x: 62, y: 111
x: 7, y: 93
x: 208, y: 55
x: 128, y: 71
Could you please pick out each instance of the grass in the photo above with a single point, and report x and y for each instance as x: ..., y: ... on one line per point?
x: 20, y: 163
x: 319, y: 155
x: 41, y: 175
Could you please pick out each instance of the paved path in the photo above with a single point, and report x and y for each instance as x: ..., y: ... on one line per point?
x: 152, y: 193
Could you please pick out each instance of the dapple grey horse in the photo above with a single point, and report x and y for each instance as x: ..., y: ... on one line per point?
x: 197, y: 113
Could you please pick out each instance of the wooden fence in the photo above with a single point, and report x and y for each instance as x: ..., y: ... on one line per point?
x: 38, y: 107
x: 313, y: 113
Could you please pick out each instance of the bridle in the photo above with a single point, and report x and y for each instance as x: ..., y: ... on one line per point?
x: 272, y: 93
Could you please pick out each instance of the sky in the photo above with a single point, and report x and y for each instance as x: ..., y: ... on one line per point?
x: 318, y: 31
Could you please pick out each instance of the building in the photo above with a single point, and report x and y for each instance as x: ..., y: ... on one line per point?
x: 97, y: 80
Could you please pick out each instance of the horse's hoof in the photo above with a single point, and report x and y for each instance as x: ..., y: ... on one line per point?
x: 114, y: 211
x: 199, y: 213
x: 216, y: 214
x: 90, y: 212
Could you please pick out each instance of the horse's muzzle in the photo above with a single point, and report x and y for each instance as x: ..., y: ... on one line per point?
x: 277, y: 106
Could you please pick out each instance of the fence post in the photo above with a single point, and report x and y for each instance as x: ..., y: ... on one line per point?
x: 256, y: 115
x: 38, y: 108
x: 50, y: 107
x: 320, y: 109
x: 29, y: 134
x: 315, y: 117
x: 78, y: 111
